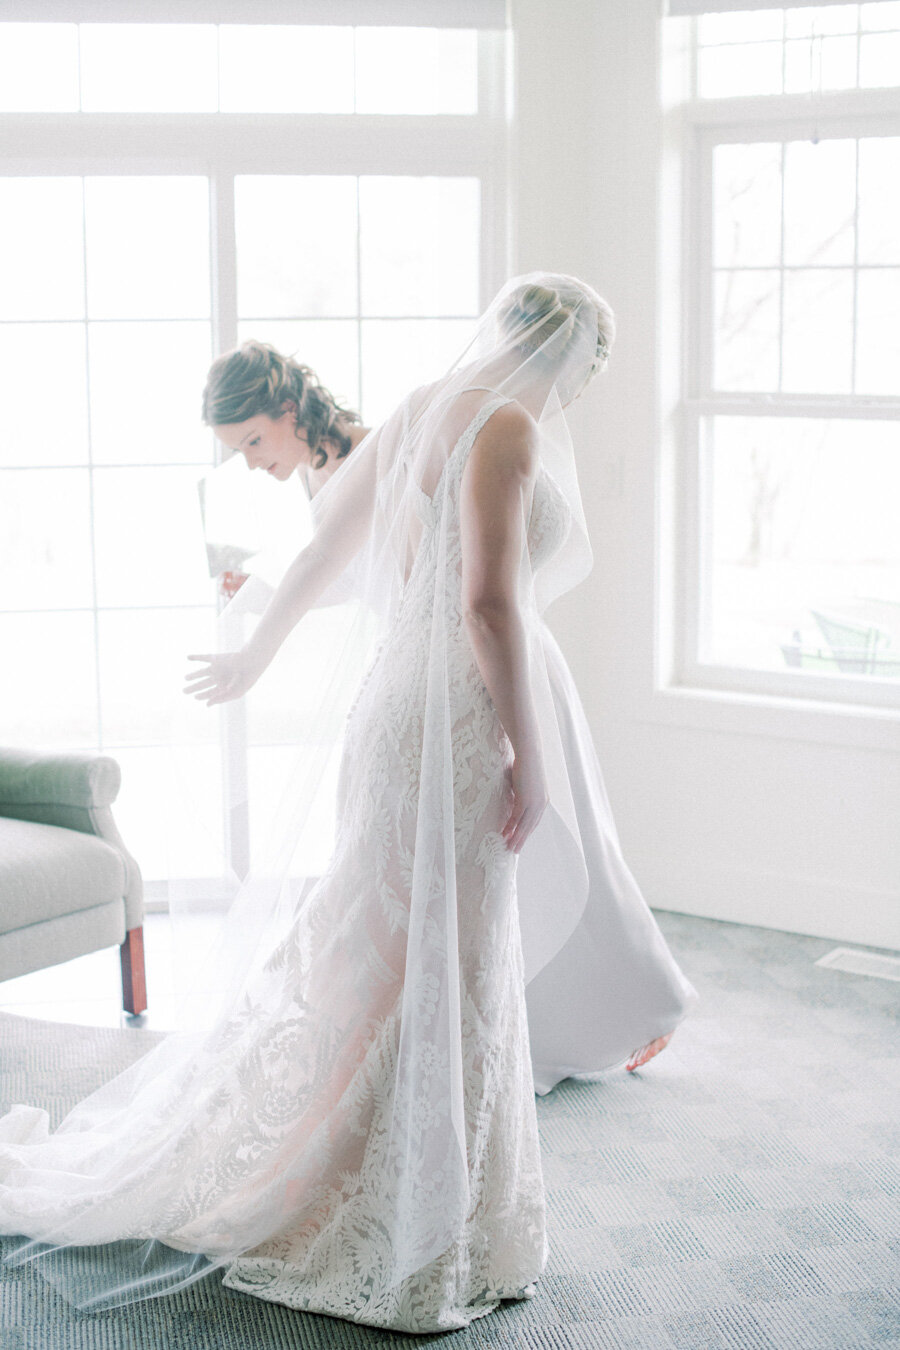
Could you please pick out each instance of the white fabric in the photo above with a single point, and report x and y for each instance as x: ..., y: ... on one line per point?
x: 345, y: 1121
x: 614, y: 985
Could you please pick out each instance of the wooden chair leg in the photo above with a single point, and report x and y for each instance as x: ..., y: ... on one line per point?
x: 134, y: 982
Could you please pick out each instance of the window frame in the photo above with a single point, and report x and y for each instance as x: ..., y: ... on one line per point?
x: 794, y: 704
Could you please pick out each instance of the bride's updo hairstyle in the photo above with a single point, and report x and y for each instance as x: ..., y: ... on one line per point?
x: 255, y: 378
x: 551, y: 322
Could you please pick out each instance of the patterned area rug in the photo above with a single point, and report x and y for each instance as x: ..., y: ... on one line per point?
x: 740, y: 1192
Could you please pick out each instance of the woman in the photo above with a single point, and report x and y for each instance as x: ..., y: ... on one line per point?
x: 614, y: 981
x: 354, y: 1133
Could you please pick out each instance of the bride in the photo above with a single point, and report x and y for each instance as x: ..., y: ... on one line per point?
x: 614, y: 981
x: 353, y: 1130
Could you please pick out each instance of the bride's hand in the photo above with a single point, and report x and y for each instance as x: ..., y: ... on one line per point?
x: 229, y: 675
x: 529, y: 800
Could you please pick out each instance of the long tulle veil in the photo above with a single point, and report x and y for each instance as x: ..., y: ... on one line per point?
x: 113, y: 1172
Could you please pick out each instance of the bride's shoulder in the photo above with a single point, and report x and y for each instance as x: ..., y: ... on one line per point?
x: 512, y: 426
x: 418, y: 397
x: 508, y: 442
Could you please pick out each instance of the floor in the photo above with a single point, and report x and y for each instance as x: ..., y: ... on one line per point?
x: 88, y: 990
x: 740, y: 1192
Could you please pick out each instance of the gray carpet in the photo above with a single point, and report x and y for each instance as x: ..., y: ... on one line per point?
x: 738, y: 1193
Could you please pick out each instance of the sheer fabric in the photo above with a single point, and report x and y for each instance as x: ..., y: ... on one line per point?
x: 344, y: 1119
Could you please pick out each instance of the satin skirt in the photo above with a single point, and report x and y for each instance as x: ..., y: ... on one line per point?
x: 614, y: 985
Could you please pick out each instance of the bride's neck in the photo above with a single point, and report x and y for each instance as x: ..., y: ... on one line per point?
x: 531, y: 393
x: 355, y: 433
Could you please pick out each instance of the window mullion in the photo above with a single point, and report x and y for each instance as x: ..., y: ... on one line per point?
x: 853, y: 349
x: 223, y: 281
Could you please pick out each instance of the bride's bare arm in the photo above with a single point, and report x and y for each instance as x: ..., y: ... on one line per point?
x: 497, y: 481
x: 344, y: 520
x: 340, y: 534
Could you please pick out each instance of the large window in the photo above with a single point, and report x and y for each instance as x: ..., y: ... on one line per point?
x: 167, y: 190
x: 792, y: 418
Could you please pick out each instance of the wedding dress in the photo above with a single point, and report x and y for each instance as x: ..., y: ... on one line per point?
x: 353, y: 1130
x: 308, y: 1032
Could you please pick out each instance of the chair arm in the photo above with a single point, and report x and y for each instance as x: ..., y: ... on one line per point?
x: 72, y: 789
x: 61, y: 778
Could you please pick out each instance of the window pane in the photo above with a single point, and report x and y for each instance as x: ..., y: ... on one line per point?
x: 31, y: 422
x: 149, y: 538
x: 148, y: 67
x: 45, y: 528
x: 878, y: 334
x: 286, y: 68
x: 41, y: 248
x: 879, y: 60
x: 296, y: 245
x: 832, y: 216
x: 49, y: 691
x: 419, y: 241
x: 416, y: 70
x: 819, y: 202
x: 747, y: 205
x: 146, y: 384
x: 752, y: 69
x: 818, y: 331
x: 400, y: 354
x: 808, y: 21
x: 330, y: 347
x: 879, y: 199
x: 38, y: 67
x: 143, y: 664
x: 747, y: 27
x: 883, y: 14
x: 820, y: 63
x: 155, y: 781
x: 803, y: 565
x: 147, y: 247
x: 745, y: 339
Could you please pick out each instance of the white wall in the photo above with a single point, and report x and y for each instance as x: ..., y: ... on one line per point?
x: 762, y: 811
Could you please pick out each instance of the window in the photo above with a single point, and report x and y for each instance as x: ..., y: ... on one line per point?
x: 792, y: 560
x: 799, y: 50
x: 237, y: 68
x: 167, y: 190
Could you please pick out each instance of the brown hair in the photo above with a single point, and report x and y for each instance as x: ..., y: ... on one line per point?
x: 537, y: 308
x: 255, y: 378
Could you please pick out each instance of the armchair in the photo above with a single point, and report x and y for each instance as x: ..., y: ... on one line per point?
x: 68, y: 885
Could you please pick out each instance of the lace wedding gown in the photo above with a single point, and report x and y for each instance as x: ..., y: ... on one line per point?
x: 304, y: 1068
x: 299, y: 1079
x: 503, y: 1247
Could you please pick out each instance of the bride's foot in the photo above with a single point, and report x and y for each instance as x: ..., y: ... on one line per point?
x: 640, y: 1057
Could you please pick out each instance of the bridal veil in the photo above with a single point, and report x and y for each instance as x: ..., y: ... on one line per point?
x: 539, y: 342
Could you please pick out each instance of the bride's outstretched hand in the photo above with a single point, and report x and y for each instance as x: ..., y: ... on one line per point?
x: 228, y: 675
x: 529, y: 799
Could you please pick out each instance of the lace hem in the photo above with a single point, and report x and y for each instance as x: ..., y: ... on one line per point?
x: 406, y: 1309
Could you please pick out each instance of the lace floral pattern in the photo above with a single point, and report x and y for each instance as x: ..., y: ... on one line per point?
x: 328, y: 1266
x: 277, y: 1137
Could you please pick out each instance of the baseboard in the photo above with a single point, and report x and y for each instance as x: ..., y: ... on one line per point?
x: 813, y: 906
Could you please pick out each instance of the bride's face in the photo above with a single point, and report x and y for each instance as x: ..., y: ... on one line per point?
x: 272, y: 444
